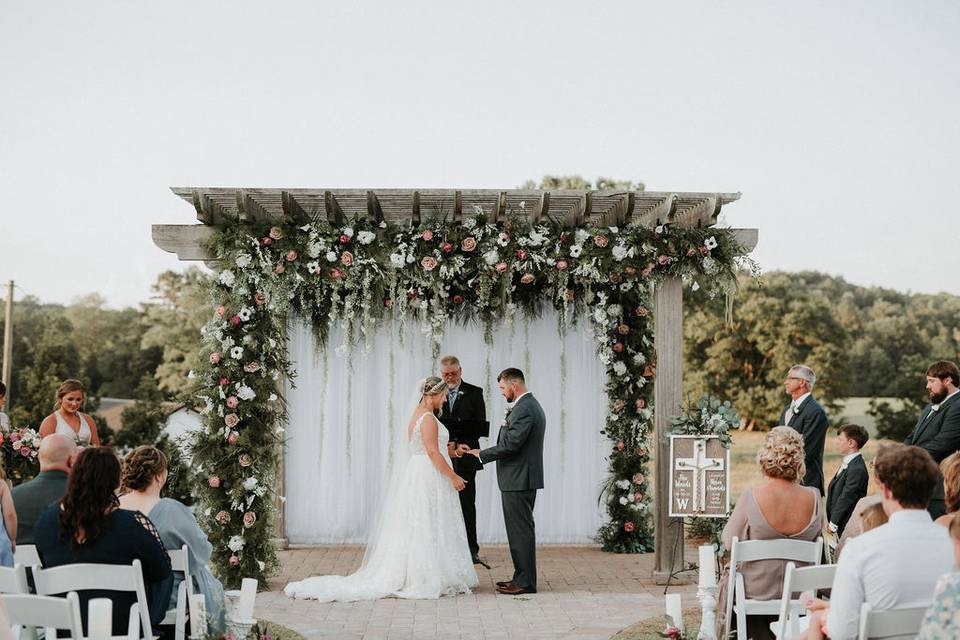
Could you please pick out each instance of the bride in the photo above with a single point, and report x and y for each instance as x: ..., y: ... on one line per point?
x: 419, y: 548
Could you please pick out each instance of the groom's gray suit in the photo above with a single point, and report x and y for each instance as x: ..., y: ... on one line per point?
x: 519, y: 456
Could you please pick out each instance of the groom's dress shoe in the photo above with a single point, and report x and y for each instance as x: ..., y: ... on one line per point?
x: 514, y: 590
x: 505, y: 583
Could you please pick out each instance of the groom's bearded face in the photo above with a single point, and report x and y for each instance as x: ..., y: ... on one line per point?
x: 508, y: 390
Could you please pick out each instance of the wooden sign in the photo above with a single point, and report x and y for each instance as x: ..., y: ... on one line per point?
x: 699, y: 477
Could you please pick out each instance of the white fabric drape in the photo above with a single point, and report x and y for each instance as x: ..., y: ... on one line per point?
x: 344, y: 409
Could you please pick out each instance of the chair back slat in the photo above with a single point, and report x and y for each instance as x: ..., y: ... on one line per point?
x: 45, y: 612
x: 179, y: 560
x: 27, y: 555
x: 812, y: 578
x: 13, y: 579
x: 795, y: 550
x: 891, y: 624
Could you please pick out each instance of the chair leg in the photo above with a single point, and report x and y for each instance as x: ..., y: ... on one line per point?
x: 741, y: 598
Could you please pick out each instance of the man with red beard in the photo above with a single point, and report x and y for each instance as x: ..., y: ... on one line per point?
x: 938, y: 429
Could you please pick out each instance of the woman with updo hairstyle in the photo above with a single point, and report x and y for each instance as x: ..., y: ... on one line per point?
x: 776, y: 508
x: 67, y: 418
x: 145, y: 472
x: 88, y: 526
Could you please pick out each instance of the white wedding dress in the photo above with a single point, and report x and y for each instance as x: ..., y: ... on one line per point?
x: 419, y: 550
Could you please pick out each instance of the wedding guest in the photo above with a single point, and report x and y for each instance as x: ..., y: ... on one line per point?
x: 8, y: 523
x: 950, y: 470
x: 464, y: 404
x: 850, y: 483
x: 67, y: 418
x: 941, y: 621
x: 4, y: 420
x: 779, y: 508
x: 805, y: 415
x: 145, y: 472
x: 896, y: 565
x: 88, y: 525
x: 873, y: 517
x: 855, y: 524
x: 938, y: 428
x: 56, y: 455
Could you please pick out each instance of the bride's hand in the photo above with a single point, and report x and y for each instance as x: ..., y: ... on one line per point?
x: 458, y: 483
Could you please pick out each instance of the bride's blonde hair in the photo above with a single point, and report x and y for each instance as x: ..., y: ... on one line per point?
x: 433, y: 386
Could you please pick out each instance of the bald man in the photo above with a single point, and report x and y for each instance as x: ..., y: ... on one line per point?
x: 56, y: 455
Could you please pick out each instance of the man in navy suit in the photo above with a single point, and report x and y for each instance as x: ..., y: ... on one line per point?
x: 804, y: 414
x: 938, y: 429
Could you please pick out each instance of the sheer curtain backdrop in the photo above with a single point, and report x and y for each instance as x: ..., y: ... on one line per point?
x: 344, y: 409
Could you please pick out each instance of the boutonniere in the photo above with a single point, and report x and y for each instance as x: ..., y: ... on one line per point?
x: 506, y: 415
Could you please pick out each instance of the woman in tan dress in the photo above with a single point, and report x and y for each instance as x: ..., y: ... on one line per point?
x: 778, y: 508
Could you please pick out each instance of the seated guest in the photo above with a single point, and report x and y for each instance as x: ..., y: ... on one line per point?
x: 145, y: 472
x: 56, y: 455
x: 950, y: 468
x: 88, y: 525
x: 8, y: 523
x: 779, y: 508
x: 850, y: 483
x: 896, y: 565
x: 941, y: 621
x: 873, y: 517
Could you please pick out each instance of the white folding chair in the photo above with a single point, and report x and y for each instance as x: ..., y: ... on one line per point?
x: 180, y: 561
x: 794, y: 581
x: 108, y: 577
x: 14, y: 580
x: 892, y: 624
x: 26, y: 554
x: 44, y: 612
x: 751, y: 551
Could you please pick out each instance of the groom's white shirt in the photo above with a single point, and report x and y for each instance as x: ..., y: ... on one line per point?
x: 514, y: 403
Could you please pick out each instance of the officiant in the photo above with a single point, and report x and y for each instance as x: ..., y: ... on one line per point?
x: 465, y: 416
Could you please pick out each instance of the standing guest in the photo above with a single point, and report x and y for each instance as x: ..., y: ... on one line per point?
x: 805, y: 415
x: 464, y: 408
x: 941, y: 621
x: 67, y: 418
x: 57, y: 453
x: 850, y: 483
x: 145, y: 472
x: 4, y: 420
x: 88, y: 525
x: 938, y: 429
x: 950, y: 470
x: 897, y: 565
x: 778, y: 509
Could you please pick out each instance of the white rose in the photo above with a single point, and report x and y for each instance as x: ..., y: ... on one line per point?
x: 366, y: 237
x: 619, y: 252
x: 314, y: 249
x: 619, y: 368
x: 348, y: 231
x: 581, y: 235
x: 491, y: 257
x: 236, y: 543
x: 623, y: 500
x: 411, y: 259
x: 396, y: 260
x: 250, y: 483
x: 614, y: 311
x: 227, y: 277
x: 470, y: 223
x: 245, y: 393
x: 331, y: 256
x: 243, y: 260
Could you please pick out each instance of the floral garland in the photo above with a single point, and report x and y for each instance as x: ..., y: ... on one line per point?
x: 354, y: 275
x: 707, y: 417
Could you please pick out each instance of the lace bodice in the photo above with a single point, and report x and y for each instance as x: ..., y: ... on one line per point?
x: 415, y: 445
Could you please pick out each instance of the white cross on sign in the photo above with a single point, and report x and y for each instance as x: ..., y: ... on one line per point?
x: 698, y: 464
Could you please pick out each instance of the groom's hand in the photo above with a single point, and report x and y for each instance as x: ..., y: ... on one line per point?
x: 462, y: 449
x: 474, y: 452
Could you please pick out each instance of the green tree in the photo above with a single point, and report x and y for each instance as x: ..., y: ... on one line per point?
x: 47, y: 362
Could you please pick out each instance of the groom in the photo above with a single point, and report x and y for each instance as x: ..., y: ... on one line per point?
x: 519, y: 456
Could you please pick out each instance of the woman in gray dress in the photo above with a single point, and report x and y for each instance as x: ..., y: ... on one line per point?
x: 144, y: 474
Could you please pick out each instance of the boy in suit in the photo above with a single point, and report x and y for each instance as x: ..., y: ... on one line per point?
x: 850, y: 483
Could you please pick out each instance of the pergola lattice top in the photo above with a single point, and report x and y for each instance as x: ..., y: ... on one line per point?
x: 222, y: 205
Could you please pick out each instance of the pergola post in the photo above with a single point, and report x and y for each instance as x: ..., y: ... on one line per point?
x: 667, y: 395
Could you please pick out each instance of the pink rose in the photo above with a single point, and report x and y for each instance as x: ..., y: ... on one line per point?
x: 628, y: 527
x: 704, y: 251
x: 601, y: 241
x: 640, y: 403
x: 25, y: 452
x: 235, y: 321
x: 664, y: 260
x: 249, y: 519
x: 232, y: 402
x: 527, y: 278
x: 231, y: 420
x: 638, y: 478
x: 344, y: 239
x: 642, y: 311
x: 428, y: 263
x: 616, y: 278
x: 214, y: 481
x: 234, y: 561
x: 648, y: 371
x: 346, y: 258
x: 251, y: 367
x: 646, y: 271
x: 232, y: 438
x: 618, y: 347
x: 260, y: 298
x: 222, y: 517
x: 291, y: 255
x: 500, y: 267
x: 447, y: 247
x: 564, y: 238
x: 221, y: 311
x: 623, y: 329
x: 245, y: 460
x: 336, y: 274
x: 522, y: 255
x: 673, y: 632
x: 458, y: 299
x: 427, y: 235
x: 630, y: 270
x: 621, y: 445
x: 224, y: 381
x: 468, y: 244
x: 276, y: 233
x: 214, y: 358
x: 561, y: 265
x: 15, y: 437
x: 266, y: 241
x: 637, y: 497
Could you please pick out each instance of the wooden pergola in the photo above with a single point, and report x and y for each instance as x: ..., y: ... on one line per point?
x: 221, y: 206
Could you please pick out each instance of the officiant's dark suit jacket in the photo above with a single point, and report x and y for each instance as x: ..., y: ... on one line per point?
x: 519, y: 448
x: 939, y: 434
x: 811, y: 422
x: 469, y: 406
x: 845, y: 490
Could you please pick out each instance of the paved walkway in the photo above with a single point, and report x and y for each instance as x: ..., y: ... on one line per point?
x: 583, y: 593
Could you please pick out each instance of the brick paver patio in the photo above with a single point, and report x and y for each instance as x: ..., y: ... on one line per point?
x: 583, y: 593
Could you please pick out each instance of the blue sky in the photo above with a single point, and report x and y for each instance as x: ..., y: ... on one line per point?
x: 837, y: 120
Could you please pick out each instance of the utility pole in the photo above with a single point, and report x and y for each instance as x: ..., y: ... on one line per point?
x: 8, y: 340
